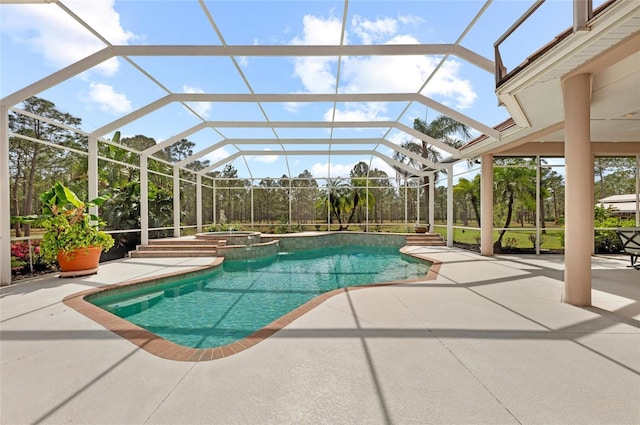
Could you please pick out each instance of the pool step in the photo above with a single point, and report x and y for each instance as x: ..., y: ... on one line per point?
x: 175, y: 248
x: 426, y: 239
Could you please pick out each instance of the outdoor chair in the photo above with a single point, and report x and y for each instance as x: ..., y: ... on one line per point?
x: 630, y: 238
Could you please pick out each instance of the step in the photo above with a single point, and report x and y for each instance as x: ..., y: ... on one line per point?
x: 167, y: 254
x: 180, y: 242
x: 175, y: 247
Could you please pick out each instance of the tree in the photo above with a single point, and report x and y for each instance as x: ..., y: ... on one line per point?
x: 28, y: 159
x: 441, y: 128
x: 304, y: 192
x: 361, y: 196
x: 513, y: 181
x: 470, y: 190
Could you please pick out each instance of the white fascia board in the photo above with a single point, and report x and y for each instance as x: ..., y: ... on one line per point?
x: 515, y: 110
x: 437, y: 143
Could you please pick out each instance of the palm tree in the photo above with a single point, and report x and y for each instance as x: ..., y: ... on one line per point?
x: 441, y: 128
x: 470, y: 189
x: 513, y: 182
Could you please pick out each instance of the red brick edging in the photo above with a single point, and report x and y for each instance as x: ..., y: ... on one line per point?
x: 161, y: 347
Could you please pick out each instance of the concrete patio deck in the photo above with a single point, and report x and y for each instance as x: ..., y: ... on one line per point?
x: 488, y: 341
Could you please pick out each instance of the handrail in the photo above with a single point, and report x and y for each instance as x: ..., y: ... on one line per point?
x: 501, y: 70
x: 582, y: 15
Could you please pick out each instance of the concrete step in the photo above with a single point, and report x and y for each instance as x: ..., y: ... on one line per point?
x: 426, y: 239
x: 180, y: 242
x: 176, y: 247
x: 181, y: 253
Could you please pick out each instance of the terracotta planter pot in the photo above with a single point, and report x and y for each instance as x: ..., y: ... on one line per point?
x: 79, y: 262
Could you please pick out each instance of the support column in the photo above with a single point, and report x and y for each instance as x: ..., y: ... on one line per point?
x: 486, y: 206
x: 637, y: 190
x: 199, y: 203
x: 5, y: 211
x: 449, y: 206
x: 176, y: 202
x: 576, y: 92
x: 92, y: 171
x: 144, y: 200
x: 432, y: 212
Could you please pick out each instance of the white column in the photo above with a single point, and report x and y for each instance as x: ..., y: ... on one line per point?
x: 432, y: 202
x: 538, y: 204
x: 144, y: 200
x: 252, y: 224
x: 215, y: 202
x: 579, y: 190
x: 199, y: 203
x: 486, y: 205
x: 176, y: 202
x: 637, y: 190
x: 418, y: 203
x: 449, y: 206
x: 92, y: 169
x: 406, y: 202
x: 367, y: 205
x: 5, y: 210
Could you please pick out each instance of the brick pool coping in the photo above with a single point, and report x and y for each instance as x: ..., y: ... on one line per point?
x: 165, y: 349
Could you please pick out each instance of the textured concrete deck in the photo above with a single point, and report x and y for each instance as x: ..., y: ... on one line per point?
x: 486, y: 342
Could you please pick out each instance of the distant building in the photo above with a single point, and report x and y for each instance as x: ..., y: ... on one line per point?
x: 621, y: 205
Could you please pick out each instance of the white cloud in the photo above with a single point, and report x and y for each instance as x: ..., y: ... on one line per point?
x: 373, y: 31
x: 267, y: 159
x: 371, y: 111
x: 44, y: 28
x: 381, y: 165
x: 202, y: 108
x: 377, y: 74
x: 319, y: 31
x: 411, y: 20
x: 321, y: 170
x: 217, y: 155
x: 316, y: 73
x: 107, y: 99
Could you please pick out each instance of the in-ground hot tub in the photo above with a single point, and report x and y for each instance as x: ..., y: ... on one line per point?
x: 232, y: 237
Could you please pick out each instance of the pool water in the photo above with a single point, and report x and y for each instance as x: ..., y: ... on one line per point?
x: 241, y: 297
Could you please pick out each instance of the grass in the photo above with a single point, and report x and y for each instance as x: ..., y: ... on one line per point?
x: 520, y: 237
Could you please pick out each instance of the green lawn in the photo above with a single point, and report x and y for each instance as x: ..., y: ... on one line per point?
x: 523, y: 238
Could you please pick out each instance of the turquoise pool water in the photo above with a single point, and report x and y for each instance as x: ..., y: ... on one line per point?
x: 242, y: 297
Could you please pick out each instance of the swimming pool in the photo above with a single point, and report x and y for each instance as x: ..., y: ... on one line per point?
x: 241, y: 297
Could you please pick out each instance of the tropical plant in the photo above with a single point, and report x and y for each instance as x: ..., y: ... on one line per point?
x: 470, y: 190
x: 513, y: 182
x: 68, y: 224
x: 442, y: 128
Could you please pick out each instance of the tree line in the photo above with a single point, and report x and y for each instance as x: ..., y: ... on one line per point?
x: 42, y: 153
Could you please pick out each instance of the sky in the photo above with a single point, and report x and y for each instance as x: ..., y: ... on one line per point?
x: 37, y: 40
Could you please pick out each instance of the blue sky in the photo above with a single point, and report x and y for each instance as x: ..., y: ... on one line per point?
x: 37, y: 40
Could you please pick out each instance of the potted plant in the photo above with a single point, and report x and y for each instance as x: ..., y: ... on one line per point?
x: 73, y: 236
